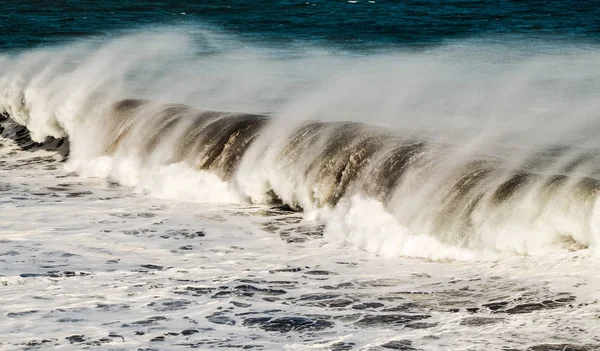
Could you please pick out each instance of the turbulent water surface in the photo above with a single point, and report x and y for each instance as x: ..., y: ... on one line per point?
x: 355, y: 175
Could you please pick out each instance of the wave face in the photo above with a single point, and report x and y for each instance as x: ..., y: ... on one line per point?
x: 9, y: 129
x: 483, y: 155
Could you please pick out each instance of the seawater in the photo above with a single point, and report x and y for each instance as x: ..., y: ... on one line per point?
x: 299, y: 175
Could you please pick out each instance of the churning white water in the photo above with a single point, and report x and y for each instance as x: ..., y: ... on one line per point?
x: 438, y: 199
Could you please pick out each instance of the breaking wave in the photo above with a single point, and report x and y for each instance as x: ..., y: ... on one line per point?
x: 432, y: 154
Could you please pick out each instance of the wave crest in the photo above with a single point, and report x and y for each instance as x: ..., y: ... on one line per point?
x: 383, y: 189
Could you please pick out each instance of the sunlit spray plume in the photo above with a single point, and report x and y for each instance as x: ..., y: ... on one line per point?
x: 432, y: 154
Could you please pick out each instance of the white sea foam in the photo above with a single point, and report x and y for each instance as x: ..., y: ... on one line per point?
x: 173, y: 181
x: 84, y: 264
x: 365, y: 224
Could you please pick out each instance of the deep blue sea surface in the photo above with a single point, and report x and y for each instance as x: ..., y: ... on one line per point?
x: 359, y: 25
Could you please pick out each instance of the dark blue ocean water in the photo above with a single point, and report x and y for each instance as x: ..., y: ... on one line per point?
x: 360, y: 24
